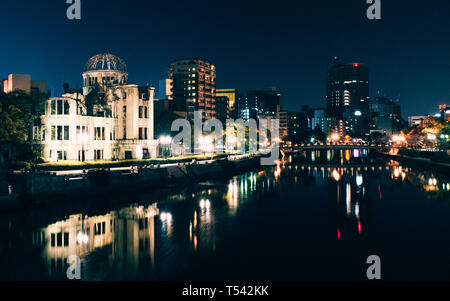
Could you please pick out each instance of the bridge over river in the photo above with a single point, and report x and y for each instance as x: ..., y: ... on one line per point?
x: 335, y: 147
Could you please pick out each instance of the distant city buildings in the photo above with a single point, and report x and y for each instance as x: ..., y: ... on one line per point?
x: 385, y: 115
x: 193, y: 87
x: 165, y: 89
x: 326, y: 123
x: 231, y: 95
x: 222, y: 112
x: 267, y: 101
x: 24, y: 83
x: 444, y: 111
x: 415, y: 120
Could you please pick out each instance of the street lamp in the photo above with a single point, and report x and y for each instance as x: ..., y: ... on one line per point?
x: 206, y: 144
x: 165, y: 141
x: 335, y: 137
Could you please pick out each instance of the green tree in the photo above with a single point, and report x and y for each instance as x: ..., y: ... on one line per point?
x: 19, y: 111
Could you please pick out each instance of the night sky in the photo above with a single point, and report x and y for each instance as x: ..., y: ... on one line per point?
x: 254, y: 44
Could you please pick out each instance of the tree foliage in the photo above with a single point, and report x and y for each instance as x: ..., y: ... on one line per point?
x: 19, y: 111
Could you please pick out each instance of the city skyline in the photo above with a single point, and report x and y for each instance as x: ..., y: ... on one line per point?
x: 406, y: 59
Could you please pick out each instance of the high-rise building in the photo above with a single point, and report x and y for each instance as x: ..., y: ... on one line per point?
x: 265, y: 102
x: 222, y: 112
x: 193, y: 87
x: 231, y: 94
x: 164, y: 89
x: 242, y: 107
x: 385, y: 115
x: 24, y: 83
x: 347, y: 87
x: 327, y: 124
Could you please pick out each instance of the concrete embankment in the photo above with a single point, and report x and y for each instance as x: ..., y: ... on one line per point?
x: 47, y: 187
x: 423, y: 163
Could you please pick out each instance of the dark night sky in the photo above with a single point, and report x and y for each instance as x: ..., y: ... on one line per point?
x: 254, y: 44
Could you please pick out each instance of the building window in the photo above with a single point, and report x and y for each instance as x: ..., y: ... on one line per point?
x: 59, y: 239
x: 66, y: 239
x: 145, y: 134
x: 145, y: 112
x: 66, y: 132
x: 124, y: 133
x: 59, y: 132
x: 99, y: 133
x: 124, y: 111
x: 59, y: 108
x: 66, y: 107
x: 98, y: 154
x: 62, y: 155
x: 53, y: 107
x: 140, y: 111
x: 140, y: 133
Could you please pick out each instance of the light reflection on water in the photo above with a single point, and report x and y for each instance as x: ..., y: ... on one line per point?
x: 291, y: 213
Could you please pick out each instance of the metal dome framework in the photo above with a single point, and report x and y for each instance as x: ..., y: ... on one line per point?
x: 105, y: 61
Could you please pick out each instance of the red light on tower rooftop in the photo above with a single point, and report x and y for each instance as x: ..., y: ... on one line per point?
x: 355, y: 64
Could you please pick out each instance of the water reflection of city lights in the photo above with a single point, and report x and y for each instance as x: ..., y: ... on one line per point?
x: 348, y: 198
x: 277, y: 172
x: 205, y: 204
x: 359, y: 180
x: 347, y: 155
x: 336, y: 175
x: 432, y: 182
x: 232, y: 195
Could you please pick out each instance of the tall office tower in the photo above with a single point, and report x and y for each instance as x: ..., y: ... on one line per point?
x: 231, y: 94
x: 347, y: 88
x: 193, y: 87
x: 164, y: 89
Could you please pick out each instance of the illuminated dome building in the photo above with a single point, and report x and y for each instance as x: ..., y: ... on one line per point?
x: 112, y: 120
x: 104, y: 69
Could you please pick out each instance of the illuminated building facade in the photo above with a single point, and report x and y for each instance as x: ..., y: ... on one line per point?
x: 110, y: 120
x: 231, y: 94
x: 24, y: 83
x: 193, y: 87
x: 347, y: 87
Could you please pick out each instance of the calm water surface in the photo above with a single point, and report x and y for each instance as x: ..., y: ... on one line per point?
x: 317, y: 218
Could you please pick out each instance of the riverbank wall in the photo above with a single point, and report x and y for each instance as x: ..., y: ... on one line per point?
x: 38, y: 188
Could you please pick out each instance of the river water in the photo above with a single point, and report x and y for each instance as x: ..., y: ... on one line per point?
x: 317, y: 217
